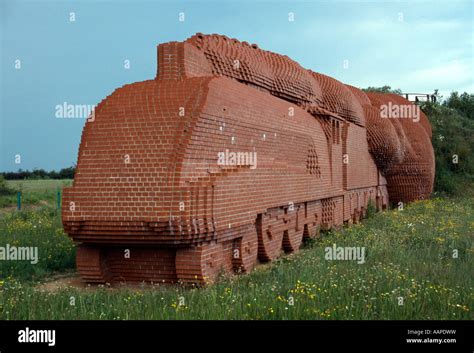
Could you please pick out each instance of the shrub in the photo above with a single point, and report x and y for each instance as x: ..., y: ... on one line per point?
x: 371, y: 209
x: 452, y: 139
x: 4, y: 189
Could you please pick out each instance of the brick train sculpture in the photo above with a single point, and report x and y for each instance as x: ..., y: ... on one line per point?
x: 230, y: 156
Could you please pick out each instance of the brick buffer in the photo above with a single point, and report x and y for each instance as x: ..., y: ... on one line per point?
x: 151, y: 202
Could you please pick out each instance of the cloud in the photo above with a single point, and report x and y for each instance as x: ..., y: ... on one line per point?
x: 423, y: 52
x: 454, y: 71
x: 450, y: 76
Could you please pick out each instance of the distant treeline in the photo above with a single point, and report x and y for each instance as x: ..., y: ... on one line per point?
x: 65, y: 173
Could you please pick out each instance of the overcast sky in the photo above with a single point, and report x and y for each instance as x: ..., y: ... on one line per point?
x: 417, y: 46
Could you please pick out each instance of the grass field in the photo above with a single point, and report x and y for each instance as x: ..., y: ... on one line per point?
x: 34, y: 193
x: 418, y: 266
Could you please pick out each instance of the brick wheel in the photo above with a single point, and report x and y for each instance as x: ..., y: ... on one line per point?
x: 311, y: 228
x: 200, y: 264
x: 270, y: 236
x: 309, y: 231
x: 356, y: 216
x: 292, y: 240
x: 245, y: 251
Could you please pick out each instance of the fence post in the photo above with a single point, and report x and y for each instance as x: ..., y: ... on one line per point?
x: 19, y: 200
x: 59, y: 199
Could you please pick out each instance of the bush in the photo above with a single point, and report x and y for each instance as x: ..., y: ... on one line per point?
x: 452, y: 139
x: 4, y: 189
x: 371, y: 209
x: 463, y: 103
x: 384, y: 89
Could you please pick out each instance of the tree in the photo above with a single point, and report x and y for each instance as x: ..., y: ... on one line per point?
x: 452, y: 142
x: 383, y: 89
x: 66, y: 173
x: 463, y: 103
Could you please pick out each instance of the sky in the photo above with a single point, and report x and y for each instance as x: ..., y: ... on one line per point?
x: 77, y: 52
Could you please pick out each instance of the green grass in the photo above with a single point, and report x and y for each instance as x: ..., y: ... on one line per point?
x: 409, y: 254
x: 43, y: 229
x: 42, y: 185
x: 34, y: 192
x: 38, y: 224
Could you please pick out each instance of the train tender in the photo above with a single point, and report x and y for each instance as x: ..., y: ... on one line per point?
x: 231, y: 156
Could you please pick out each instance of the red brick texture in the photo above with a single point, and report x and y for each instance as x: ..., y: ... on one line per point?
x: 150, y: 181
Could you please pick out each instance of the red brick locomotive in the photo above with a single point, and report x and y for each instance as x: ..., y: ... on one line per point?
x: 231, y: 155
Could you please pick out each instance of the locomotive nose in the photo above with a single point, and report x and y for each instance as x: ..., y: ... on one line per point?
x: 128, y: 157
